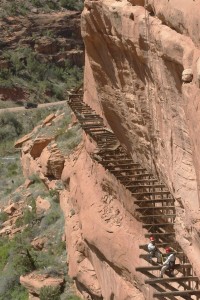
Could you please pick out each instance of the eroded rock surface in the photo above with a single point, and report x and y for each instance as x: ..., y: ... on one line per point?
x: 135, y: 59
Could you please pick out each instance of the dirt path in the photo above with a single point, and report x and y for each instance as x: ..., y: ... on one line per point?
x: 21, y: 108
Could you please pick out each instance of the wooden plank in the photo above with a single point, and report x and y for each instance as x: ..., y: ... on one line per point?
x: 151, y: 193
x: 177, y: 293
x: 134, y: 176
x: 154, y: 268
x: 162, y: 244
x: 154, y: 208
x: 118, y: 161
x: 147, y: 186
x: 138, y: 202
x: 119, y: 164
x: 158, y: 225
x: 171, y: 279
x: 158, y: 216
x: 159, y: 234
x: 125, y: 170
x: 146, y: 256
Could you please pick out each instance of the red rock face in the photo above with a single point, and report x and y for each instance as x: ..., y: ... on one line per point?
x: 101, y: 233
x: 142, y: 75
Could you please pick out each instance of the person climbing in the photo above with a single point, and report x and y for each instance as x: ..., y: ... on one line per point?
x: 169, y: 263
x: 154, y: 251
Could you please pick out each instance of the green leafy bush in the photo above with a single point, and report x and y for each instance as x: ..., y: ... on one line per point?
x: 41, y: 79
x: 54, y: 194
x: 72, y: 4
x: 50, y: 293
x: 3, y: 216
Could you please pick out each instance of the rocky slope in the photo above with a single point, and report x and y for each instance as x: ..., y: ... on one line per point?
x: 45, y: 39
x: 142, y: 76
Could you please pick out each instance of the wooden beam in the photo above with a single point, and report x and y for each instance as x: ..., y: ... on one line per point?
x: 154, y: 208
x: 153, y: 200
x: 158, y: 225
x: 154, y: 268
x: 151, y: 193
x: 163, y: 244
x: 158, y: 216
x: 146, y: 256
x: 171, y: 279
x: 124, y: 169
x: 146, y: 186
x: 177, y: 293
x: 159, y: 234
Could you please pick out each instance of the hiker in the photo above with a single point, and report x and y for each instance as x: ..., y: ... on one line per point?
x: 154, y: 251
x: 169, y: 264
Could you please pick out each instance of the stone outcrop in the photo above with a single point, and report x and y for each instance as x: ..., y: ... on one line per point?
x: 34, y: 282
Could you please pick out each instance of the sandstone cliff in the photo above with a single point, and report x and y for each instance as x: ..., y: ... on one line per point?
x: 142, y: 76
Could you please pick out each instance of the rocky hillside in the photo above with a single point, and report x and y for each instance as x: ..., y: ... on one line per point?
x: 42, y: 52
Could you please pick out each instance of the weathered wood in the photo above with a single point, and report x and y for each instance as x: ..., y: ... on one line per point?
x: 158, y: 225
x: 154, y: 208
x: 153, y: 200
x: 158, y: 216
x: 125, y: 169
x: 146, y: 186
x: 171, y: 279
x: 159, y: 234
x: 151, y: 193
x: 177, y: 293
x: 162, y: 244
x: 154, y: 268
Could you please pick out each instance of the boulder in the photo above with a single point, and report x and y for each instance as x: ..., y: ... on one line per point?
x: 187, y: 75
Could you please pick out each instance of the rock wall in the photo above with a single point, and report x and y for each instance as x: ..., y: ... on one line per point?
x: 144, y: 66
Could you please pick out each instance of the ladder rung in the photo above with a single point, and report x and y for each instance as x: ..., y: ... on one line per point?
x: 153, y: 268
x: 158, y: 225
x: 154, y: 207
x: 118, y: 166
x: 171, y: 279
x: 153, y: 200
x: 146, y: 256
x: 117, y: 160
x: 163, y: 244
x: 147, y: 186
x: 177, y: 293
x: 133, y: 176
x: 151, y: 193
x: 158, y: 216
x: 125, y: 170
x: 159, y: 234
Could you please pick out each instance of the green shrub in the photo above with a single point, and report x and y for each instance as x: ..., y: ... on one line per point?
x: 54, y: 194
x: 4, y: 254
x: 50, y: 293
x: 3, y: 216
x: 72, y: 4
x: 19, y: 293
x: 73, y: 298
x: 52, y: 217
x: 35, y: 178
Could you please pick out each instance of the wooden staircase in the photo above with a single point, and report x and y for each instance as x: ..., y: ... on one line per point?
x: 156, y: 205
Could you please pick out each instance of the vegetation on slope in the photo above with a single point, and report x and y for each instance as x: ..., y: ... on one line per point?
x: 42, y: 81
x: 18, y: 257
x: 23, y: 7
